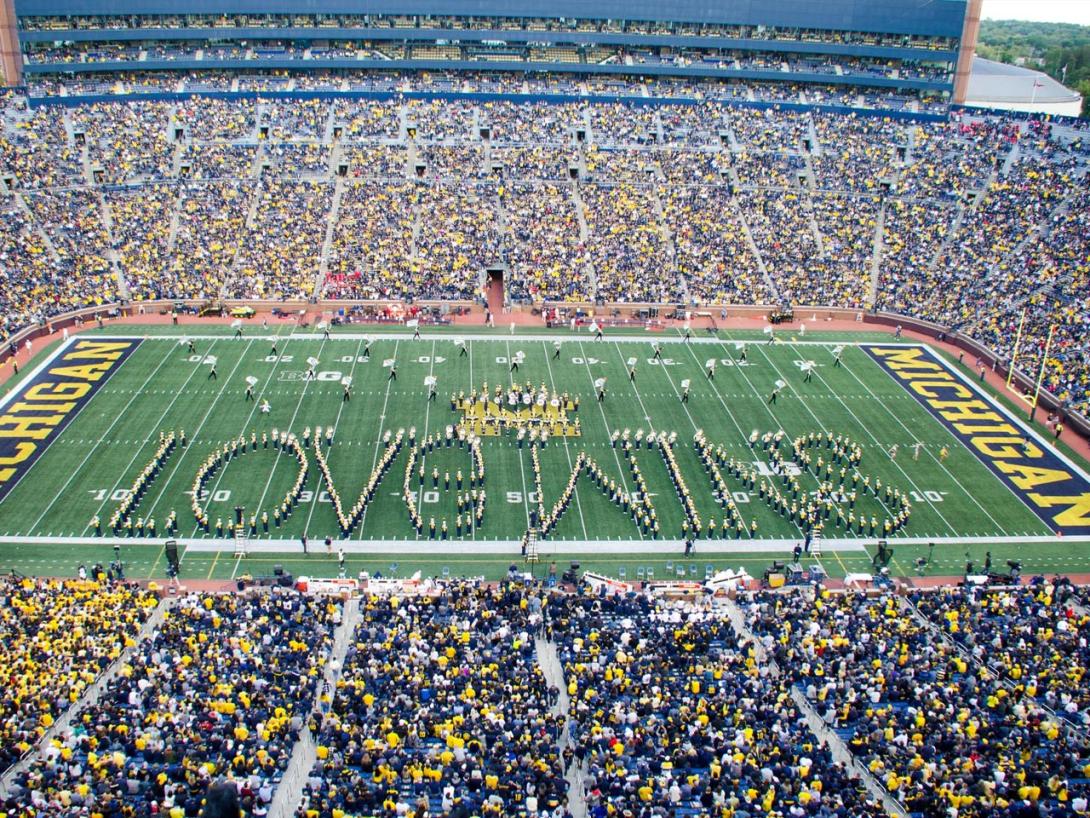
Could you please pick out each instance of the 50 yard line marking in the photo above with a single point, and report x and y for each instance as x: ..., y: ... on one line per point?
x: 605, y: 425
x: 95, y: 448
x: 567, y: 450
x: 378, y: 442
x: 522, y: 461
x: 336, y: 427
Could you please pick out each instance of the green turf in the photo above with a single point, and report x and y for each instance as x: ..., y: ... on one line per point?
x: 160, y: 388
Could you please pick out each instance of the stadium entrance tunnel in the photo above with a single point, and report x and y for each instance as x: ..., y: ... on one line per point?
x: 494, y: 289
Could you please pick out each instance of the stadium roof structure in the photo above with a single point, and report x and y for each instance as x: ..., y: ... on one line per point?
x: 1011, y: 88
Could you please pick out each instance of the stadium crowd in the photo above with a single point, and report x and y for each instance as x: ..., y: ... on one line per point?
x: 56, y: 637
x: 672, y: 715
x: 441, y: 709
x: 944, y: 735
x: 222, y: 688
x: 705, y: 204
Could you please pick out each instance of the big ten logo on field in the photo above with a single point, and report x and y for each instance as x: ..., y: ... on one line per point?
x: 290, y: 375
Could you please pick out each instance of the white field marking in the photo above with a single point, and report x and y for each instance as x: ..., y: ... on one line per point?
x: 132, y: 460
x: 567, y: 449
x: 941, y: 465
x: 498, y: 337
x: 741, y: 433
x: 635, y: 389
x: 336, y: 427
x: 715, y: 388
x: 291, y: 423
x: 469, y: 354
x: 378, y: 442
x: 192, y: 441
x: 622, y: 476
x: 30, y: 375
x: 427, y: 420
x: 94, y: 448
x: 427, y: 546
x: 863, y: 426
x: 522, y: 460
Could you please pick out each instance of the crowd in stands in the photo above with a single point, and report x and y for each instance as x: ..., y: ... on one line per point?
x: 673, y: 715
x: 702, y: 203
x: 222, y: 688
x: 454, y: 23
x: 56, y: 637
x: 441, y: 709
x: 1030, y: 637
x: 966, y: 702
x: 943, y: 732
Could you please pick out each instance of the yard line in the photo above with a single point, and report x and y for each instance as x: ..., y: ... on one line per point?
x: 427, y: 420
x: 862, y: 425
x: 522, y: 462
x: 605, y: 424
x: 94, y: 448
x: 567, y: 449
x: 942, y: 465
x: 715, y: 389
x: 646, y: 414
x: 695, y: 427
x: 469, y: 344
x: 272, y: 471
x: 378, y: 441
x: 136, y: 454
x: 336, y: 426
x: 194, y: 440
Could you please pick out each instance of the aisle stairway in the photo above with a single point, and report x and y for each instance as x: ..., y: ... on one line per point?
x: 825, y: 734
x: 92, y: 694
x: 303, y: 755
x: 554, y: 675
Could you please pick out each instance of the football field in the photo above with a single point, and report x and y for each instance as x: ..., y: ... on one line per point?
x: 970, y: 477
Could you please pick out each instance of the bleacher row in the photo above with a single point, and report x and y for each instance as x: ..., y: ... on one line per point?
x: 89, y: 53
x: 961, y: 702
x: 963, y: 222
